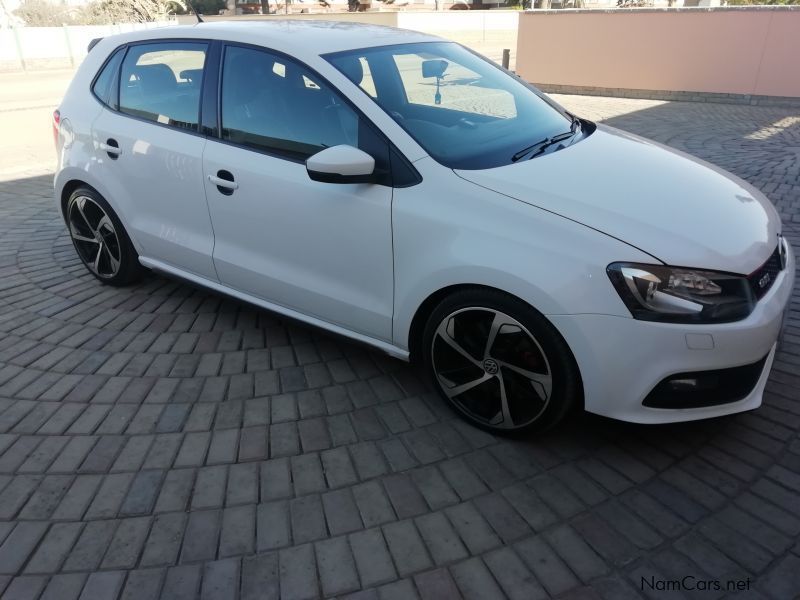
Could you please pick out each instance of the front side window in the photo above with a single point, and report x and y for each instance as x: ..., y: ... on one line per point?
x: 464, y: 111
x: 272, y: 103
x: 161, y: 82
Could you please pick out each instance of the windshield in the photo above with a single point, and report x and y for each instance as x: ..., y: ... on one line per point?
x: 462, y: 109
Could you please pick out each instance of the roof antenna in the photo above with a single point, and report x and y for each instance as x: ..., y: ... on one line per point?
x: 196, y: 14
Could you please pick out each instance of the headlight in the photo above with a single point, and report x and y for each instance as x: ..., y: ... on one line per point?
x: 678, y: 295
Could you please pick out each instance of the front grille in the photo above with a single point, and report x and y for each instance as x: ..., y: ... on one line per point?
x: 761, y: 279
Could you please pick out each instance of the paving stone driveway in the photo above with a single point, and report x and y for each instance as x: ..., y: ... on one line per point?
x: 164, y: 441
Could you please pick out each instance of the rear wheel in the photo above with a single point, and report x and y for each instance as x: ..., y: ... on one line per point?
x: 499, y: 363
x: 100, y: 239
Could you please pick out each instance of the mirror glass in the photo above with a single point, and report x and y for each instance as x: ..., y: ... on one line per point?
x: 434, y: 68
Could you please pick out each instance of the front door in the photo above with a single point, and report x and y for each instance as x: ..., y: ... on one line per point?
x: 322, y: 249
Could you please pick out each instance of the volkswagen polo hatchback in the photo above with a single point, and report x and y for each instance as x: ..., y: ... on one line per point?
x: 401, y: 190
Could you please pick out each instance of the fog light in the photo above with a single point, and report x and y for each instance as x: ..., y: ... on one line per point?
x: 705, y: 388
x: 683, y: 384
x: 694, y: 384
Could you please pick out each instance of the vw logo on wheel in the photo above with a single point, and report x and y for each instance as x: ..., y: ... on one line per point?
x: 490, y: 366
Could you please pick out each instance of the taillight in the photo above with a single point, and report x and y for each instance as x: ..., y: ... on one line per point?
x: 56, y: 122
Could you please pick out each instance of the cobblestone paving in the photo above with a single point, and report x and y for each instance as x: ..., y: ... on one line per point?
x: 164, y: 441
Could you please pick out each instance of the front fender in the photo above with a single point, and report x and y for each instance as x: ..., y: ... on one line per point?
x: 448, y: 231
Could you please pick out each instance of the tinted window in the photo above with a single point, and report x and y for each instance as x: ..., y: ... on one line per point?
x: 105, y: 79
x: 367, y: 83
x: 471, y: 116
x: 162, y: 82
x: 275, y: 104
x: 460, y: 89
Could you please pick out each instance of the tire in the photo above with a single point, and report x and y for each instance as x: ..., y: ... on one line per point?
x: 100, y: 240
x: 528, y: 362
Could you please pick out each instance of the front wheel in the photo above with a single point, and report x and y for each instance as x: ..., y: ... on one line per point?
x: 499, y: 363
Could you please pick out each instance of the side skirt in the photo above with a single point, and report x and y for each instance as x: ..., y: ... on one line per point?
x: 386, y: 347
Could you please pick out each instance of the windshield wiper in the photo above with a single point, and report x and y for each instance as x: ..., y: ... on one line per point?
x: 542, y: 145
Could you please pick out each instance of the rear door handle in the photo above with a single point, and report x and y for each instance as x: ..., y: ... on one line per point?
x: 111, y: 147
x: 224, y: 182
x: 220, y: 182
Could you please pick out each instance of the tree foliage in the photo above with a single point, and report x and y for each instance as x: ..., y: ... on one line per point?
x: 204, y: 7
x: 47, y: 13
x: 133, y: 11
x: 42, y: 13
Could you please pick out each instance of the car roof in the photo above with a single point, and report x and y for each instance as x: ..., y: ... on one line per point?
x: 293, y: 36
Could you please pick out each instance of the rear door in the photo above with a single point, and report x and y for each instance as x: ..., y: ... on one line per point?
x: 149, y: 149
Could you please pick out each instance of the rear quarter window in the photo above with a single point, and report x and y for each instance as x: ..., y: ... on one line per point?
x: 103, y: 86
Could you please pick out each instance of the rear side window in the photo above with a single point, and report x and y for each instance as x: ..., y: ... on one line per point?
x: 102, y: 86
x: 161, y: 82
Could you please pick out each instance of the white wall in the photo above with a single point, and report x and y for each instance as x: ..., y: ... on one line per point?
x: 487, y: 32
x: 53, y: 47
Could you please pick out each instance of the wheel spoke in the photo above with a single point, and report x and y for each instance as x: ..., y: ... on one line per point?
x: 442, y: 333
x: 497, y: 322
x: 112, y: 261
x: 96, y: 263
x: 507, y: 420
x: 544, y: 380
x: 105, y: 221
x: 460, y: 389
x: 79, y: 236
x: 83, y: 215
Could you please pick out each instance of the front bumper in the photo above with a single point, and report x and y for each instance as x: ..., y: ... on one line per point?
x: 622, y: 359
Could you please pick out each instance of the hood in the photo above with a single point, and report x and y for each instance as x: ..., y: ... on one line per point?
x: 677, y: 208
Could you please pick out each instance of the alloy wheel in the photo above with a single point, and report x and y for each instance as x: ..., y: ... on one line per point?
x: 491, y: 368
x: 95, y: 237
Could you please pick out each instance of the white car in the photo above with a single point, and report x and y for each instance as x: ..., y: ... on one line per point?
x: 401, y: 190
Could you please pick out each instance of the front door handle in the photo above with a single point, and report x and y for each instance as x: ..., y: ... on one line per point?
x: 111, y: 147
x: 224, y: 182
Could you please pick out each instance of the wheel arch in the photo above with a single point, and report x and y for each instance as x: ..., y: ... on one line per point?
x: 425, y: 308
x: 66, y: 191
x: 414, y: 303
x: 70, y: 179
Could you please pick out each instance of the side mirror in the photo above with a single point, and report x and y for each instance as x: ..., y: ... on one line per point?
x: 434, y: 68
x: 341, y: 164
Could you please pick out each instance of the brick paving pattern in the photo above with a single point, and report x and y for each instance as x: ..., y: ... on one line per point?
x: 162, y: 441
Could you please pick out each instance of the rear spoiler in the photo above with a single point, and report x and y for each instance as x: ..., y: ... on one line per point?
x: 93, y: 43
